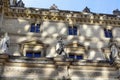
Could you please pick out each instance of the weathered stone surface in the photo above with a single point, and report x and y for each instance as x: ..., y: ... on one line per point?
x: 54, y: 24
x: 27, y: 72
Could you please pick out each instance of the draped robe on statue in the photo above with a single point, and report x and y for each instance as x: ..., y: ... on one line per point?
x: 114, y: 52
x: 4, y: 44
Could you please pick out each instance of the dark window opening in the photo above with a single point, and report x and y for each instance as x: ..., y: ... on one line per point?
x: 72, y: 56
x: 72, y: 30
x: 108, y: 33
x: 76, y: 57
x: 35, y: 28
x: 31, y: 54
x: 32, y: 28
x: 37, y: 54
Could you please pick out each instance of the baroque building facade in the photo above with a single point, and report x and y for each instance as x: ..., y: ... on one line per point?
x: 91, y: 42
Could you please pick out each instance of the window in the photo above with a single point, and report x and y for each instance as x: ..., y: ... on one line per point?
x: 77, y: 57
x: 72, y: 56
x: 32, y: 28
x: 108, y: 33
x: 37, y: 54
x: 72, y: 30
x: 38, y: 28
x: 31, y: 54
x: 35, y: 28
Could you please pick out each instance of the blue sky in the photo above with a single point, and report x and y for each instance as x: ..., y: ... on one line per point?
x: 98, y: 6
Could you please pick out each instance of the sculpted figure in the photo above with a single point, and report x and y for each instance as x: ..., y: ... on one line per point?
x: 60, y: 48
x: 114, y: 52
x: 4, y: 44
x: 54, y: 7
x: 20, y: 3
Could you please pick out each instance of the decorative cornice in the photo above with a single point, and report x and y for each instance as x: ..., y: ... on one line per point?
x: 71, y: 17
x: 74, y: 18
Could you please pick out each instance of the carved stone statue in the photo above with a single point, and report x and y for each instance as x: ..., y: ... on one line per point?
x: 4, y: 44
x: 54, y: 7
x: 60, y: 48
x: 86, y: 9
x: 114, y: 51
x: 20, y: 3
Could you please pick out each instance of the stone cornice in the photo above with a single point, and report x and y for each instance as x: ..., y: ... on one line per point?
x: 71, y: 17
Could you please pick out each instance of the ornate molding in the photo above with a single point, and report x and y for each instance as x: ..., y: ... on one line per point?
x: 60, y: 15
x: 64, y: 16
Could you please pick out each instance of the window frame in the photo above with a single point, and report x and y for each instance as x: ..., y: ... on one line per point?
x: 33, y: 54
x: 36, y: 27
x: 74, y: 56
x: 73, y: 30
x: 108, y: 33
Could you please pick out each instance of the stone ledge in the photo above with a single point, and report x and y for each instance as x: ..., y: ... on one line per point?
x: 18, y: 78
x: 13, y: 78
x: 26, y: 58
x: 2, y: 60
x: 30, y: 65
x: 4, y: 56
x: 24, y: 61
x: 92, y: 68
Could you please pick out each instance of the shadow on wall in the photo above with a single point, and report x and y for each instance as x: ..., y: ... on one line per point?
x: 92, y: 73
x: 95, y: 55
x: 30, y: 72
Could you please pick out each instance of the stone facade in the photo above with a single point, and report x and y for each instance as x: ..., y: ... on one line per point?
x: 89, y: 41
x: 23, y: 68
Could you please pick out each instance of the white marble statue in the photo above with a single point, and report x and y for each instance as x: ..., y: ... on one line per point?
x: 4, y: 44
x: 114, y: 51
x: 60, y: 48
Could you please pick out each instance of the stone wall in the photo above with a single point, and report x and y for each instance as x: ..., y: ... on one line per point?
x: 91, y: 36
x: 22, y: 68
